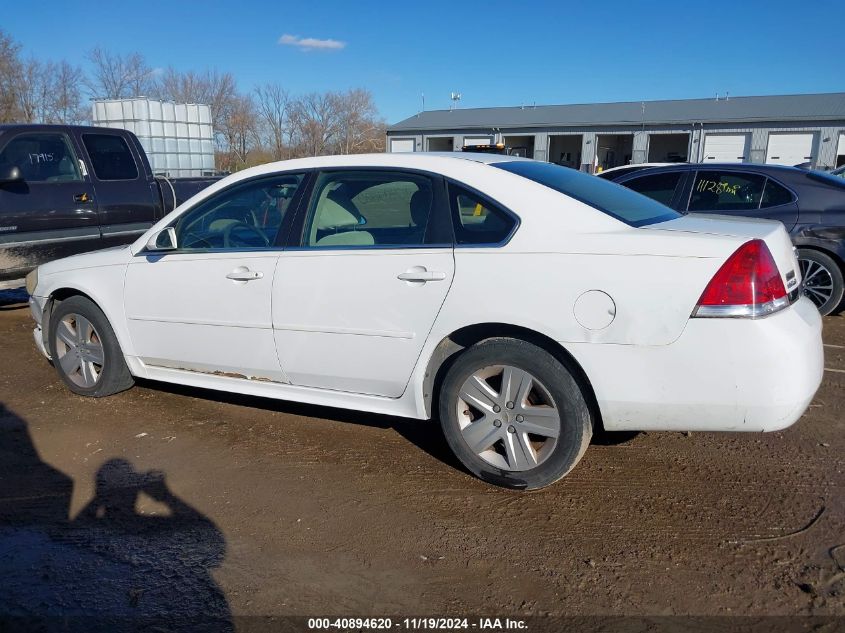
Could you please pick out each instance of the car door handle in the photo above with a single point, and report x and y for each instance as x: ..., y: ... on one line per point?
x: 244, y: 274
x: 83, y: 197
x: 422, y: 275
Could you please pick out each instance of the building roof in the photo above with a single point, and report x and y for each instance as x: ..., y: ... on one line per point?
x: 810, y: 107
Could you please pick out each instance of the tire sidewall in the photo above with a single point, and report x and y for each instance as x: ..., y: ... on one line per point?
x: 113, y: 360
x: 576, y: 420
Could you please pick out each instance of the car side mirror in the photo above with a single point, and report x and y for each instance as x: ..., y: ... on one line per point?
x: 10, y: 174
x: 164, y: 240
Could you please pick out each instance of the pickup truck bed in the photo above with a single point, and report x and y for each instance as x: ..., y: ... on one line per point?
x: 71, y: 189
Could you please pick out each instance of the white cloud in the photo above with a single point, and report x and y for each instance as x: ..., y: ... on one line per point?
x: 311, y: 43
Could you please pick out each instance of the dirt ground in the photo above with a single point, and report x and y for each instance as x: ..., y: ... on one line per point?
x: 174, y: 500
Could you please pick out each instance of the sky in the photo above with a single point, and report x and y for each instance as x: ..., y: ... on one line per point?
x: 494, y: 53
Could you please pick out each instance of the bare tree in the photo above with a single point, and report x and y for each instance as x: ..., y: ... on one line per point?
x: 360, y: 128
x: 215, y: 89
x: 67, y: 103
x: 116, y: 76
x: 273, y: 104
x: 240, y: 134
x: 318, y: 121
x: 9, y: 73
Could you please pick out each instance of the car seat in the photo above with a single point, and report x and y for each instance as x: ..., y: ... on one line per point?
x: 337, y: 215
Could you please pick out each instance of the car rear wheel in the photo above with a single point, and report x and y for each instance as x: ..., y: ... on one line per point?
x: 513, y: 414
x: 85, y: 351
x: 822, y: 278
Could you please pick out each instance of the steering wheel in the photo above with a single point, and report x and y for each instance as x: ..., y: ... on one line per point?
x: 195, y: 240
x: 227, y: 234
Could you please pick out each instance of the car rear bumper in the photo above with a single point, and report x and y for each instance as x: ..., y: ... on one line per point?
x: 720, y: 375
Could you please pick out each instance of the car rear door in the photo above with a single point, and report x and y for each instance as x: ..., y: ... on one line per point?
x: 742, y: 193
x: 127, y: 199
x: 356, y: 297
x: 51, y: 212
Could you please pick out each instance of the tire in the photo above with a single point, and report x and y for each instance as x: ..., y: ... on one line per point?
x: 822, y: 277
x: 501, y: 450
x: 81, y: 333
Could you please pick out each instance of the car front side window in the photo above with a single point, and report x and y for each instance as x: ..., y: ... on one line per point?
x: 247, y: 216
x: 42, y: 157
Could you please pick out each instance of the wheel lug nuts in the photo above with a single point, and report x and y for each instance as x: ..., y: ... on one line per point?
x: 511, y: 429
x: 496, y: 408
x: 519, y: 418
x: 497, y: 423
x: 509, y: 405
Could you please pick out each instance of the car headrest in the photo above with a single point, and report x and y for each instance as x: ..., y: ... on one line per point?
x: 336, y: 211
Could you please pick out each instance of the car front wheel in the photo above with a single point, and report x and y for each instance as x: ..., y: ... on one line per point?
x: 85, y: 350
x: 513, y: 414
x: 822, y: 278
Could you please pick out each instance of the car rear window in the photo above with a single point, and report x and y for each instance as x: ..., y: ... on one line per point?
x: 614, y: 200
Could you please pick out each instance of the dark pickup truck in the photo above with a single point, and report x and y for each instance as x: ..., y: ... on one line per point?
x: 70, y: 189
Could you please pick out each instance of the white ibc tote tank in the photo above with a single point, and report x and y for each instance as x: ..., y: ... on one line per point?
x: 177, y: 137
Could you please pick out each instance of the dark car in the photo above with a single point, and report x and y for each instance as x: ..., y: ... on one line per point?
x: 67, y: 189
x: 810, y: 204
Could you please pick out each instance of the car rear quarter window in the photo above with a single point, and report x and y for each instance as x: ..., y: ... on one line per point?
x: 42, y: 157
x: 660, y: 187
x: 775, y: 194
x: 478, y: 220
x: 726, y: 191
x: 110, y: 156
x: 611, y: 199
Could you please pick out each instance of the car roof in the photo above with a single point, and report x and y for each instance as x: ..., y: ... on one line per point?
x: 637, y: 166
x: 782, y: 170
x: 47, y: 127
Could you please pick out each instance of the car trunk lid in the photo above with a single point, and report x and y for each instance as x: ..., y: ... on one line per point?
x: 771, y: 232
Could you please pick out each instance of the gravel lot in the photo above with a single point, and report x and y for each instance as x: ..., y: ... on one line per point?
x: 166, y: 500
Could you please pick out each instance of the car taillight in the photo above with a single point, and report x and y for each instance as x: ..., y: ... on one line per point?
x: 747, y: 285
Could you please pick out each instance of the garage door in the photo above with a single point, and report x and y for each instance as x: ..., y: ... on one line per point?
x: 840, y: 153
x: 726, y: 148
x: 478, y: 140
x: 401, y: 145
x: 789, y: 149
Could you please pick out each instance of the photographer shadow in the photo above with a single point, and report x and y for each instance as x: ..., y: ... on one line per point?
x: 110, y: 567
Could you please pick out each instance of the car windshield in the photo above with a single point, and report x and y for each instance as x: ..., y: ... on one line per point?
x: 615, y: 200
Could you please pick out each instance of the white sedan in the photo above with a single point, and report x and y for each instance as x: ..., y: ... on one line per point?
x: 522, y: 303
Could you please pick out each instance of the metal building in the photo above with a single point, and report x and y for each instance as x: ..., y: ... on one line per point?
x: 786, y: 129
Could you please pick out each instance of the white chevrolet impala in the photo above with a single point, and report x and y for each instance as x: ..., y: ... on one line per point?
x: 522, y: 303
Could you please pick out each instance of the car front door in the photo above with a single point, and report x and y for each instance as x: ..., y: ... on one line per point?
x: 743, y: 194
x: 49, y: 213
x: 354, y: 303
x: 205, y: 306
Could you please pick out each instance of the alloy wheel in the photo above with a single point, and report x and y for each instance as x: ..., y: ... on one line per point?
x: 79, y: 350
x: 818, y: 282
x: 508, y: 418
